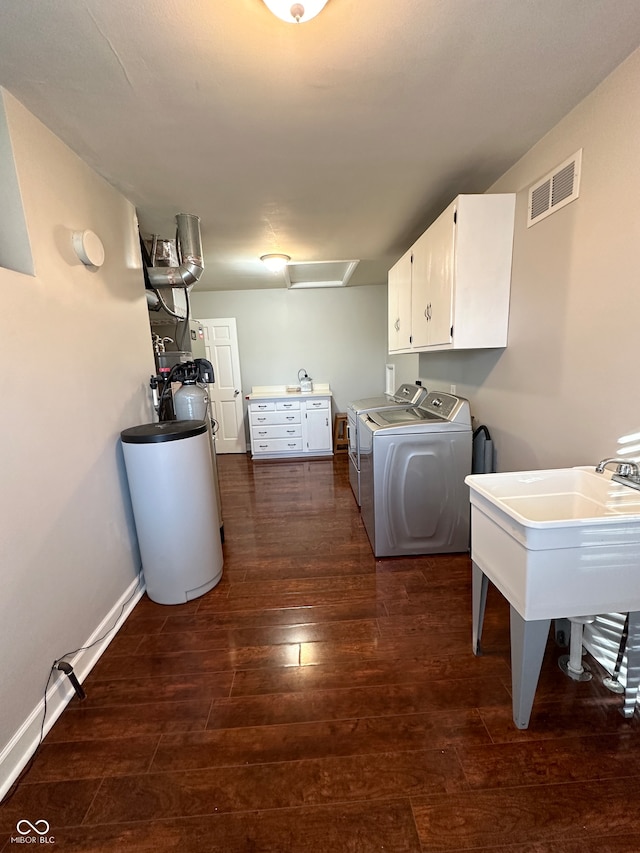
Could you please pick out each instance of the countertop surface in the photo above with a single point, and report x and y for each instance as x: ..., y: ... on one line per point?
x: 279, y: 392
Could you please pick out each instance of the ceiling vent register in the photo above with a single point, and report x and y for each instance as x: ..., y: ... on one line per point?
x: 557, y: 189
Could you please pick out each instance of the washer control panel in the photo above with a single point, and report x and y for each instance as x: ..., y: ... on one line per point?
x: 444, y: 405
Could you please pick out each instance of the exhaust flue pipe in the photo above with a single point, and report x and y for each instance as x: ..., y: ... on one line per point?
x: 191, y: 263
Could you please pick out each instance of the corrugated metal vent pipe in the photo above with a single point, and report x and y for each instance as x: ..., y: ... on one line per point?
x: 190, y: 253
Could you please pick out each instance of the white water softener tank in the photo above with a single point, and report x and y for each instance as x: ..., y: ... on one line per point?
x: 174, y: 507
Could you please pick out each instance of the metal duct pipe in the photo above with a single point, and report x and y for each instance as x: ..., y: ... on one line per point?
x: 190, y: 253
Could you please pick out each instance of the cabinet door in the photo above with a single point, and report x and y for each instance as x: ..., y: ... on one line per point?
x: 421, y: 298
x: 399, y: 319
x: 441, y: 272
x: 317, y: 430
x: 432, y: 283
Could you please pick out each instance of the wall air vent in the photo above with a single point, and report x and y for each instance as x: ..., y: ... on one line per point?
x: 555, y: 190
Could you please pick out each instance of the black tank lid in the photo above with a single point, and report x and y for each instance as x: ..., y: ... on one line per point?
x: 165, y: 431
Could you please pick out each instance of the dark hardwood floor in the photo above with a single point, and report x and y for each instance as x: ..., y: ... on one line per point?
x: 320, y: 700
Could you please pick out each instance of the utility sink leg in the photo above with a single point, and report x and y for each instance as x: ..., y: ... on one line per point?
x: 479, y: 584
x: 528, y: 642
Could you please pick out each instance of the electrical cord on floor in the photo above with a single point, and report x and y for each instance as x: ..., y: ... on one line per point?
x: 62, y: 665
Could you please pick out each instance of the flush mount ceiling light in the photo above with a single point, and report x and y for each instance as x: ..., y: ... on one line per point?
x: 275, y: 263
x: 295, y: 13
x: 88, y: 247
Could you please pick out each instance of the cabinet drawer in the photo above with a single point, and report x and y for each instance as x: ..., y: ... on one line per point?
x: 280, y: 431
x: 257, y: 406
x: 276, y: 445
x: 287, y: 405
x: 270, y: 418
x: 317, y: 404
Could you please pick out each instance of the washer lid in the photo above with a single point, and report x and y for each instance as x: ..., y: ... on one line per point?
x: 166, y: 431
x: 437, y: 413
x: 391, y: 417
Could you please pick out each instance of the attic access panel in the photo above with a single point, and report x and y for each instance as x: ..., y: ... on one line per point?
x: 306, y: 274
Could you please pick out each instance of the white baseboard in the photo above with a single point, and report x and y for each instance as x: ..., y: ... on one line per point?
x: 17, y: 753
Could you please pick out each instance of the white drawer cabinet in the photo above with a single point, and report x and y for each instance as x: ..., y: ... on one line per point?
x: 274, y: 418
x: 284, y: 428
x: 278, y: 431
x: 279, y: 446
x: 312, y: 405
x: 263, y: 406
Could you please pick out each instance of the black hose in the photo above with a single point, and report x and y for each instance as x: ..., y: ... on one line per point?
x: 482, y: 428
x: 65, y: 667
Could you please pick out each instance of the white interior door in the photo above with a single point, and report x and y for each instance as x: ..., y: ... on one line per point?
x: 221, y: 346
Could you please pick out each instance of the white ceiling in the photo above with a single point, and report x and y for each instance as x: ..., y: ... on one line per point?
x: 335, y: 139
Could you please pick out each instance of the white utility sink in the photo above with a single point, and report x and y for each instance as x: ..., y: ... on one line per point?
x: 558, y: 543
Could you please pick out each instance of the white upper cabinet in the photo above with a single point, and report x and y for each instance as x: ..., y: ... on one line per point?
x: 459, y: 278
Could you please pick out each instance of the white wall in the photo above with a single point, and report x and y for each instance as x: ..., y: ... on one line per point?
x: 566, y: 388
x: 76, y: 357
x: 337, y: 334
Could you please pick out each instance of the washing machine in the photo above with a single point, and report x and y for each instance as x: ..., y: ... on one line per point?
x: 407, y: 394
x: 413, y: 463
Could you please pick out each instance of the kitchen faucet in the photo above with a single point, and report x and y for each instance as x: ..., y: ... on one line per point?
x: 627, y: 473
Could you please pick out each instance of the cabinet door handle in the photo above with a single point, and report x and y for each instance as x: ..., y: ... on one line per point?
x: 396, y: 325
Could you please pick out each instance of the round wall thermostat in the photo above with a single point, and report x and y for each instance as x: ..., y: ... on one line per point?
x: 88, y: 247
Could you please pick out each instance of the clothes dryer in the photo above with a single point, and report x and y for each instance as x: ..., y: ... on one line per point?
x: 414, y: 461
x: 407, y: 394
